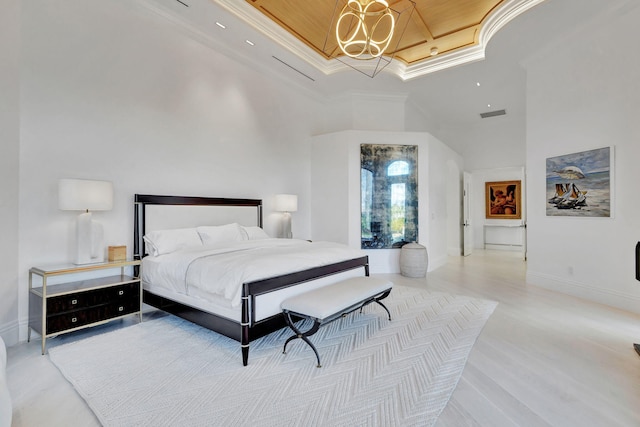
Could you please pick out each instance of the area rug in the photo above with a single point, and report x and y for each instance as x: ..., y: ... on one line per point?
x: 375, y: 372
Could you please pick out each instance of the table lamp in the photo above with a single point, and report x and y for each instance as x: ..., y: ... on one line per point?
x: 287, y: 203
x: 86, y: 195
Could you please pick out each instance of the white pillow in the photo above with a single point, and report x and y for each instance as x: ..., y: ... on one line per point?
x: 255, y: 233
x: 161, y: 242
x: 215, y: 235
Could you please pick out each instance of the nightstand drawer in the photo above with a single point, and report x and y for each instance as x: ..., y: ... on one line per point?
x: 79, y: 300
x: 128, y: 291
x: 68, y: 302
x: 78, y: 318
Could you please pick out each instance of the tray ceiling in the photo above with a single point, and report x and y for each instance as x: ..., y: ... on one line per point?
x: 458, y: 29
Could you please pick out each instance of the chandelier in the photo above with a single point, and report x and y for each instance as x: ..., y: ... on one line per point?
x: 365, y: 28
x: 365, y: 34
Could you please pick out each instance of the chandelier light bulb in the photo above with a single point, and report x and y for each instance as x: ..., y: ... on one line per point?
x: 365, y: 28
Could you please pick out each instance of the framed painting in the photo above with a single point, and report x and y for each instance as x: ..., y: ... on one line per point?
x: 580, y: 184
x: 503, y: 200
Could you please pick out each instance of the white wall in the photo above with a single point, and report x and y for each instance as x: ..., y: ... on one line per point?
x: 444, y: 214
x: 9, y: 166
x: 111, y: 91
x: 584, y: 94
x: 330, y: 206
x: 417, y: 120
x: 362, y: 111
x: 494, y: 142
x: 336, y: 177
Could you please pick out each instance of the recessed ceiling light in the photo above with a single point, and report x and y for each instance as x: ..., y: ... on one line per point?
x: 478, y: 84
x: 434, y: 51
x: 489, y: 105
x: 249, y: 42
x: 220, y: 25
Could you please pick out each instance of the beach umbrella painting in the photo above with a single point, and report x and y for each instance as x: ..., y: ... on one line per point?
x: 579, y: 184
x: 570, y: 172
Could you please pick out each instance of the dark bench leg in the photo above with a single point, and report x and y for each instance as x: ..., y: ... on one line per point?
x: 316, y: 323
x: 383, y: 296
x: 302, y: 335
x: 377, y: 300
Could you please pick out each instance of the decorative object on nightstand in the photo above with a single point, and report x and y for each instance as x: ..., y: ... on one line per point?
x: 86, y: 195
x: 117, y: 253
x: 287, y: 203
x: 59, y: 308
x: 414, y: 260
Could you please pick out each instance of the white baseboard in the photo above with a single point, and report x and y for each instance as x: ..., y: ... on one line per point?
x: 608, y: 297
x: 456, y: 251
x: 506, y: 248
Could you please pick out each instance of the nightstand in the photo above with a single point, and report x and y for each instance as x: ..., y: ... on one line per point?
x: 65, y: 307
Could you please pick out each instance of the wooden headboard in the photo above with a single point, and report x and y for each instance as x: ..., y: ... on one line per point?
x: 153, y: 212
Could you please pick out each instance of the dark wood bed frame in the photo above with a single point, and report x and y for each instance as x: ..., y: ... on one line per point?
x: 249, y: 328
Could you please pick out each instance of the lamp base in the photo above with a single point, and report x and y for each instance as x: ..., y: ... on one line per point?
x: 89, y: 240
x: 286, y: 227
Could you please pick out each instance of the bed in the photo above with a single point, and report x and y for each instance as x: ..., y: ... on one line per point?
x: 199, y: 284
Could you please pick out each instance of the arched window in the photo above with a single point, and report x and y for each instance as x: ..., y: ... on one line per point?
x: 399, y: 167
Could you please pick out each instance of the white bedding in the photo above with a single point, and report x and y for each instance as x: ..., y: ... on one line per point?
x: 222, y: 270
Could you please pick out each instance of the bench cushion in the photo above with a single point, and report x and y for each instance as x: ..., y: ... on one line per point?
x: 328, y: 300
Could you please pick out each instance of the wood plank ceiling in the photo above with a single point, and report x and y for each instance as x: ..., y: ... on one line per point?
x: 446, y: 25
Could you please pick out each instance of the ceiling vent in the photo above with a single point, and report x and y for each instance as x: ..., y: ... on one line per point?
x: 493, y: 113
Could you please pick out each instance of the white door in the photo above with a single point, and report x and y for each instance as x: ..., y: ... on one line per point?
x: 467, y: 233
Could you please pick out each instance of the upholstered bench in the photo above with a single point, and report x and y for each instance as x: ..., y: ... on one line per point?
x: 326, y: 304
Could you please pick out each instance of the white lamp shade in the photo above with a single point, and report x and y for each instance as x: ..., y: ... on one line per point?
x: 286, y: 202
x: 85, y: 195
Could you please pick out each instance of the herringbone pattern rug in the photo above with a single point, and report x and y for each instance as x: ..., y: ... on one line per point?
x: 375, y: 372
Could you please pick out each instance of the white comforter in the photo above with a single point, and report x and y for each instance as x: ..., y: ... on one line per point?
x: 222, y: 271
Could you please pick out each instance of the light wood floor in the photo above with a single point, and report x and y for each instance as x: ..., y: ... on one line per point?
x: 543, y: 358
